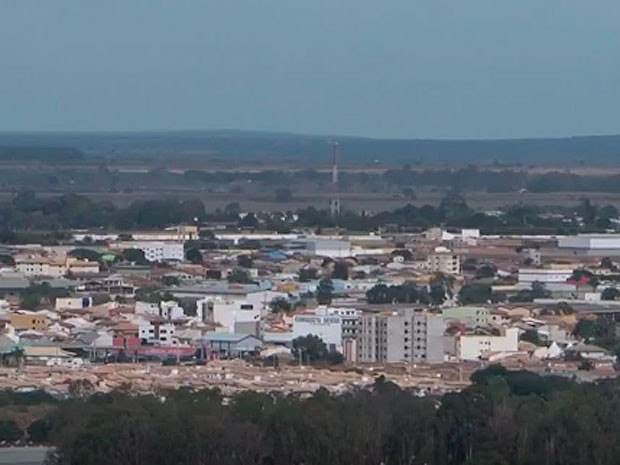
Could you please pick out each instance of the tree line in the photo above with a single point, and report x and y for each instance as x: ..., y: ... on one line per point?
x: 469, y: 178
x: 503, y: 418
x: 43, y: 219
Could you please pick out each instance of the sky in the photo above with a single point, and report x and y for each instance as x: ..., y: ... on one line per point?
x: 397, y: 69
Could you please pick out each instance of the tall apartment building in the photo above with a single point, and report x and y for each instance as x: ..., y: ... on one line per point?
x: 443, y: 260
x: 349, y: 317
x: 156, y: 251
x: 406, y: 336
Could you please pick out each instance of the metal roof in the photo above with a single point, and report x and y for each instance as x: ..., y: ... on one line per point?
x: 227, y: 337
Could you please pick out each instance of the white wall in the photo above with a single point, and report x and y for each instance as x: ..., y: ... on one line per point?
x: 471, y: 347
x: 227, y: 313
x: 147, y: 308
x: 171, y: 310
x: 156, y: 251
x: 528, y: 276
x: 73, y: 303
x: 165, y: 335
x: 611, y: 241
x: 328, y: 328
x: 329, y: 248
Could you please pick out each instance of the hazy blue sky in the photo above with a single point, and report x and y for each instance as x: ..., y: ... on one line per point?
x: 398, y: 68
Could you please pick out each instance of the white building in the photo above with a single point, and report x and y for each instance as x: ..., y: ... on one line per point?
x: 473, y: 347
x: 468, y: 236
x: 406, y: 336
x: 157, y: 251
x: 331, y: 248
x: 157, y: 333
x: 590, y: 242
x: 55, y: 267
x: 228, y: 312
x: 443, y: 261
x: 528, y: 276
x: 171, y: 310
x: 327, y: 327
x: 73, y: 303
x: 147, y: 308
x: 350, y: 319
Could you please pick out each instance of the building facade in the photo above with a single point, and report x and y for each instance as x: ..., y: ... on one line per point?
x: 157, y: 333
x: 55, y: 267
x: 475, y: 347
x: 443, y: 261
x: 29, y: 321
x: 157, y: 251
x: 327, y: 327
x: 473, y: 316
x: 528, y: 276
x: 406, y: 336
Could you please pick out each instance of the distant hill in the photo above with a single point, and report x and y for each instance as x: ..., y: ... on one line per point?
x: 24, y: 153
x: 588, y: 150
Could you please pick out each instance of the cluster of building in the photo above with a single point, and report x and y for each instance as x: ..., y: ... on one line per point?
x: 111, y: 310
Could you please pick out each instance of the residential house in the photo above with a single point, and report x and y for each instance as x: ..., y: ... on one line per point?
x: 23, y: 321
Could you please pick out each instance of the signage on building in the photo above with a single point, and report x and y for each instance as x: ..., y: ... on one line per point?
x: 318, y: 320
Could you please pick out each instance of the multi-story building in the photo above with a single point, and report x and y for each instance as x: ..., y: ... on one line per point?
x: 157, y: 251
x: 227, y: 313
x: 350, y: 318
x: 55, y: 267
x: 157, y: 333
x: 473, y: 316
x: 405, y: 336
x: 443, y: 260
x: 327, y: 327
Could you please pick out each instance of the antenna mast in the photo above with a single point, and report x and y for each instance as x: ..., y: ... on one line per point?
x: 334, y: 203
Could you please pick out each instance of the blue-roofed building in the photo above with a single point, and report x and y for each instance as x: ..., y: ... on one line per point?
x: 276, y: 256
x: 229, y: 345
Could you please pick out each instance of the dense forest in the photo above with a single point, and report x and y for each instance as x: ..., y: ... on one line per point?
x: 247, y: 145
x: 504, y: 418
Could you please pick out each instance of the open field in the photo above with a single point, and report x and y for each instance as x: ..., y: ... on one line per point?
x: 350, y: 201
